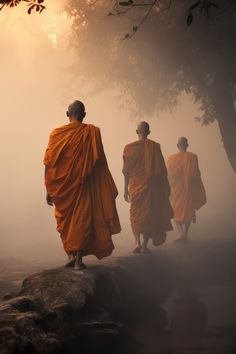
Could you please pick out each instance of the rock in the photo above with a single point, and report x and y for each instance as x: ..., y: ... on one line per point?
x: 23, y: 327
x: 66, y: 311
x: 9, y: 296
x: 61, y: 285
x: 7, y: 287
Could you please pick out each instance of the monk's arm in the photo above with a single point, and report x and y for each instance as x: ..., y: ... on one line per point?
x: 126, y: 183
x: 46, y: 162
x: 126, y: 180
x: 164, y: 174
x: 45, y: 170
x: 198, y: 173
x: 48, y: 198
x: 195, y: 173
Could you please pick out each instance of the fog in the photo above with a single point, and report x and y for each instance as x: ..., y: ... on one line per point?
x: 37, y: 84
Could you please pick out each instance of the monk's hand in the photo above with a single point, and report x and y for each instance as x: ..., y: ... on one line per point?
x: 126, y: 196
x: 49, y: 200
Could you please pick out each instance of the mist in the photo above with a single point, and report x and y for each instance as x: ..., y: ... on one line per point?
x: 181, y: 296
x: 37, y: 84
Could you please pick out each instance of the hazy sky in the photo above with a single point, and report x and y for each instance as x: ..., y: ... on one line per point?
x: 36, y: 88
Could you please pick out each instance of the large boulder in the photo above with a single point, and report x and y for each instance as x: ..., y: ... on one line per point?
x: 66, y: 311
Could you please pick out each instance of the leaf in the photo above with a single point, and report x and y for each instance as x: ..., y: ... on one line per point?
x: 190, y: 19
x: 32, y: 4
x: 42, y: 8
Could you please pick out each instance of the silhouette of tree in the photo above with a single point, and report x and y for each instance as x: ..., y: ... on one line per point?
x: 33, y: 5
x: 164, y: 58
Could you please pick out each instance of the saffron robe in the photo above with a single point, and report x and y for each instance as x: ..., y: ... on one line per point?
x: 82, y: 189
x: 187, y: 190
x: 149, y: 190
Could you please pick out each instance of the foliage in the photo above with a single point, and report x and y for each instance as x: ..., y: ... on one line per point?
x: 33, y: 5
x: 204, y: 7
x: 162, y: 60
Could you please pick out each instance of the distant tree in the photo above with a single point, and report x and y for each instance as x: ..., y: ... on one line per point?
x: 164, y: 58
x: 33, y: 5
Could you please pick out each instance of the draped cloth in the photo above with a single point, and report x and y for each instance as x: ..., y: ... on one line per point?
x: 149, y: 190
x: 187, y: 190
x: 82, y: 189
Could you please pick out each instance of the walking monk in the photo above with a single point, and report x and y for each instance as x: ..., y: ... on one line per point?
x: 81, y: 187
x: 147, y: 189
x: 187, y: 190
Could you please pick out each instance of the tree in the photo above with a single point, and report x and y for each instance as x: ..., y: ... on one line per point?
x: 36, y: 5
x: 164, y: 58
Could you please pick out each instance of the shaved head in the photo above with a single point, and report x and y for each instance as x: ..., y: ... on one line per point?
x: 76, y: 110
x: 143, y: 128
x: 182, y: 143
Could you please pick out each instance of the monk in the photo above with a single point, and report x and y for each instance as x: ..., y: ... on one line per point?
x: 187, y: 190
x: 147, y: 189
x: 80, y: 186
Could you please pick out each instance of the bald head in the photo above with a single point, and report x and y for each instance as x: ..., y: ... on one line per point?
x: 182, y: 143
x: 76, y: 111
x: 143, y: 129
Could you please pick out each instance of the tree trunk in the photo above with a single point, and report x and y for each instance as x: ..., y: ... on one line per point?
x: 227, y: 125
x: 226, y: 117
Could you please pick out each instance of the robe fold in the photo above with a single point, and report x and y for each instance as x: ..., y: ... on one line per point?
x: 149, y: 190
x: 82, y: 189
x: 187, y: 190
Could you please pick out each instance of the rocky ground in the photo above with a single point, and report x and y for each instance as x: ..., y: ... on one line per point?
x: 180, y: 300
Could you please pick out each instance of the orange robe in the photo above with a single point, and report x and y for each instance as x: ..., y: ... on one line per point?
x: 82, y: 189
x: 150, y: 209
x: 187, y: 190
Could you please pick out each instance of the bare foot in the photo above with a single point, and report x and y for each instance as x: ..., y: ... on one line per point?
x: 71, y: 261
x: 80, y: 266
